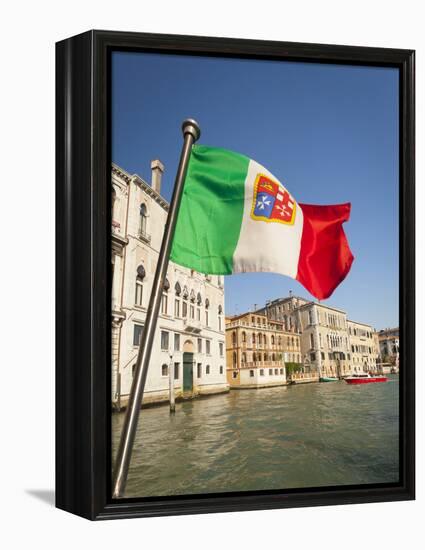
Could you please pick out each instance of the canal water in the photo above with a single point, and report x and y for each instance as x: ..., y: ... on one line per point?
x: 308, y: 435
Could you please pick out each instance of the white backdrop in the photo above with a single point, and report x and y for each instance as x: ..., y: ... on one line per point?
x: 29, y: 31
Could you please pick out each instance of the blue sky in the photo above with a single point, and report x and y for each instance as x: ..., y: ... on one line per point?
x: 328, y: 132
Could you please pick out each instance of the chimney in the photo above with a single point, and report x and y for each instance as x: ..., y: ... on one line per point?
x: 157, y: 170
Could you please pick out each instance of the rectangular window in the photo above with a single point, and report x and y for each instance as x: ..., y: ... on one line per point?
x: 138, y: 329
x: 199, y: 345
x: 198, y: 314
x: 281, y: 371
x: 311, y: 341
x: 270, y: 372
x: 219, y: 323
x: 192, y: 312
x: 276, y: 371
x: 164, y: 340
x: 208, y: 370
x: 208, y: 347
x: 139, y: 293
x: 221, y: 369
x: 176, y: 308
x: 251, y: 373
x: 176, y: 371
x: 312, y: 357
x: 199, y: 370
x: 184, y: 310
x: 221, y: 348
x: 261, y: 372
x: 176, y: 342
x: 207, y: 322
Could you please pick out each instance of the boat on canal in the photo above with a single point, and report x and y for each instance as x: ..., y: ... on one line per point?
x: 364, y: 378
x: 328, y: 379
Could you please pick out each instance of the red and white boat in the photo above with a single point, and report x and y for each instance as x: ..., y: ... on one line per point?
x: 364, y: 378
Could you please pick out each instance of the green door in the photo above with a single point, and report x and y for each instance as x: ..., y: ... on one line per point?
x: 187, y: 372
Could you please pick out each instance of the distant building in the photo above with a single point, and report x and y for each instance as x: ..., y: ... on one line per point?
x: 364, y: 352
x: 389, y: 344
x: 323, y: 333
x: 257, y: 349
x: 330, y: 344
x: 190, y: 335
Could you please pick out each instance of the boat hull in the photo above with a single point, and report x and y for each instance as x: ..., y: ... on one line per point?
x: 366, y: 380
x: 328, y: 379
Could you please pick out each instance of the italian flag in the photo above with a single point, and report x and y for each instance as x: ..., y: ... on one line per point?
x: 236, y: 217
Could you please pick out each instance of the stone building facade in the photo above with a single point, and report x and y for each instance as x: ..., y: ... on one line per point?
x: 389, y: 345
x: 364, y: 352
x: 190, y: 337
x: 257, y: 349
x: 327, y: 337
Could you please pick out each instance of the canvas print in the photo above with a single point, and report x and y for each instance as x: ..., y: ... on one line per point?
x: 275, y: 356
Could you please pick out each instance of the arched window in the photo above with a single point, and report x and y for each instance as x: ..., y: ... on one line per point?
x: 265, y: 340
x: 177, y: 291
x: 199, y: 299
x: 260, y: 339
x: 143, y: 218
x: 192, y: 306
x: 244, y: 337
x: 272, y: 338
x: 164, y: 299
x: 253, y: 337
x: 164, y: 370
x: 139, y: 285
x: 234, y: 359
x: 207, y: 305
x: 220, y: 319
x: 185, y: 297
x: 234, y: 338
x: 243, y: 358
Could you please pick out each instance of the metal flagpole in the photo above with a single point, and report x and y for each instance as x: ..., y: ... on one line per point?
x: 191, y: 133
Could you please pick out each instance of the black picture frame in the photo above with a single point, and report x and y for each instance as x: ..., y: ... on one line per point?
x: 83, y: 461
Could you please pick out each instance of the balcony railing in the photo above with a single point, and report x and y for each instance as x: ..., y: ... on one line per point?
x: 192, y: 326
x: 252, y: 364
x: 143, y: 236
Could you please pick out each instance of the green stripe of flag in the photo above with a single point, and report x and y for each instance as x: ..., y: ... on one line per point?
x: 211, y: 210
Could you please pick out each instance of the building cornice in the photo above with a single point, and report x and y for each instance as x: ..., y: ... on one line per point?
x: 123, y: 175
x: 358, y: 323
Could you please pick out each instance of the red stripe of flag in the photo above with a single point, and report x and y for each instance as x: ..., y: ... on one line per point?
x: 325, y: 256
